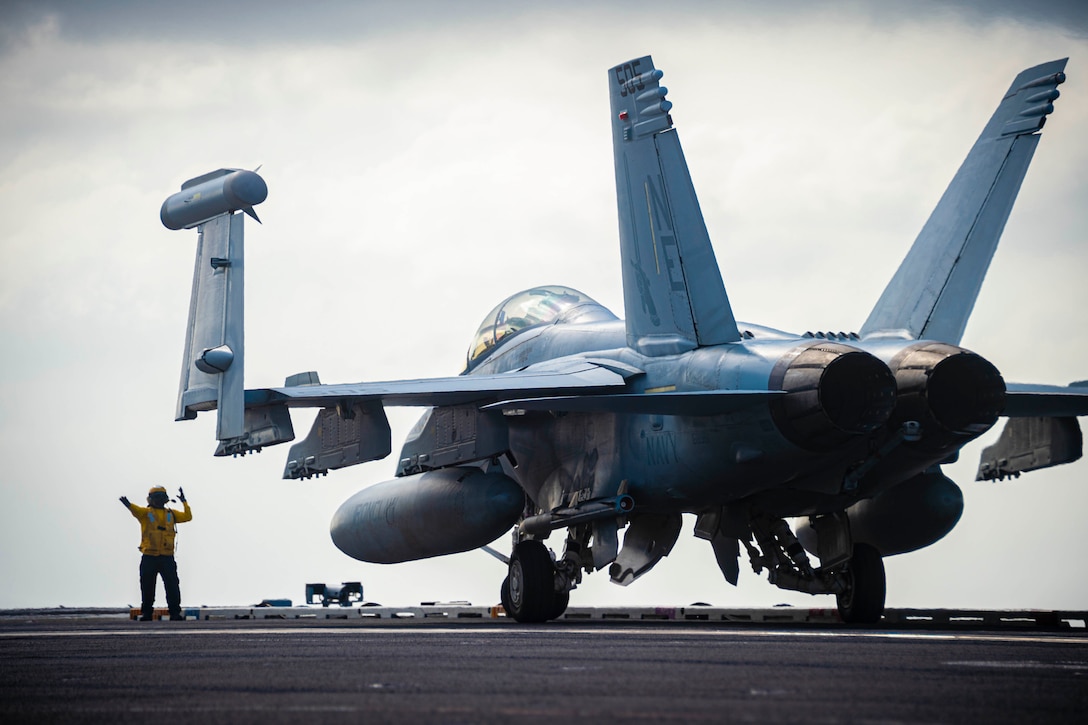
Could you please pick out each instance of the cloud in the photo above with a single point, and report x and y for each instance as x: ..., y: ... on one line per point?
x: 250, y: 23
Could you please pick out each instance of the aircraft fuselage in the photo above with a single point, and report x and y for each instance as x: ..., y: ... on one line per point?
x: 691, y: 462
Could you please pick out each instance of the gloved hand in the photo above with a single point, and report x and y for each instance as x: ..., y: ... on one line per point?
x: 124, y: 500
x: 181, y: 494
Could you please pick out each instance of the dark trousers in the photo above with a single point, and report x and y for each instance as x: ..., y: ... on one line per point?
x: 152, y: 567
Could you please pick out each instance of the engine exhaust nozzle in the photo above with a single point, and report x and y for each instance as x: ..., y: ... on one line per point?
x: 834, y: 392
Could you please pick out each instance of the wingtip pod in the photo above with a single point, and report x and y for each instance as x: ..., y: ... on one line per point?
x: 205, y: 197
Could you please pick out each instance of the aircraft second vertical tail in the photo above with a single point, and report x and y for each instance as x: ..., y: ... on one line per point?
x: 934, y: 290
x: 673, y: 293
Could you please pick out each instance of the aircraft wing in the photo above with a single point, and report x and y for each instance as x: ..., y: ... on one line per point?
x: 699, y: 402
x: 552, y: 378
x: 352, y: 427
x: 1023, y: 400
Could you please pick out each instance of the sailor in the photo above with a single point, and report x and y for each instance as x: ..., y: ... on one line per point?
x: 158, y: 527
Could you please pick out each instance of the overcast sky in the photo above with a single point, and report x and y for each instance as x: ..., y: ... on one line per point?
x: 424, y: 161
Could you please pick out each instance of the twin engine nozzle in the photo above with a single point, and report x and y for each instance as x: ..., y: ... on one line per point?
x: 955, y: 394
x: 835, y: 392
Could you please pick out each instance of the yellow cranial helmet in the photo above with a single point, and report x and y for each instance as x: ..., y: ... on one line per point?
x: 157, y: 496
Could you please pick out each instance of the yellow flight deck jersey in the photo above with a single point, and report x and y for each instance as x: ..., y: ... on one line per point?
x: 157, y: 528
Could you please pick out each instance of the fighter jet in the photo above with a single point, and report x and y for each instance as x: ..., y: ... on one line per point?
x: 567, y: 417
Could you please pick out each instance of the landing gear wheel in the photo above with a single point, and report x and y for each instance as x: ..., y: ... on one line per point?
x: 863, y: 600
x: 504, y: 595
x: 559, y: 605
x: 531, y: 583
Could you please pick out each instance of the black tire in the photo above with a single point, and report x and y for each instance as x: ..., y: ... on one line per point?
x: 504, y: 595
x: 531, y: 583
x: 863, y: 600
x: 559, y: 604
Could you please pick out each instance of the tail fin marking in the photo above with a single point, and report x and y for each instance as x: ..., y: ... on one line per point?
x: 674, y: 297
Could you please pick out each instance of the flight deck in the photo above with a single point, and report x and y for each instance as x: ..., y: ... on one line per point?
x: 100, y: 666
x: 466, y: 612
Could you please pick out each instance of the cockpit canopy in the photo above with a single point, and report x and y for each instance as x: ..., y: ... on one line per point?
x: 532, y: 307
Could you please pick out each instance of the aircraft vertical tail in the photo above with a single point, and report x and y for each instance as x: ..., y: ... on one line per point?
x: 673, y: 294
x: 212, y: 364
x: 934, y: 290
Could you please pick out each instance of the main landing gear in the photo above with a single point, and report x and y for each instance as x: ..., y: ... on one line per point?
x: 529, y: 593
x: 853, y: 573
x: 864, y: 587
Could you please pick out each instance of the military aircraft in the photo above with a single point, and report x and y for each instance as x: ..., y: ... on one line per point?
x: 566, y: 417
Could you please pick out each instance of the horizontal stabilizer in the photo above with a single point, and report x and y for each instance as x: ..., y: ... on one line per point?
x: 934, y: 290
x: 1026, y: 400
